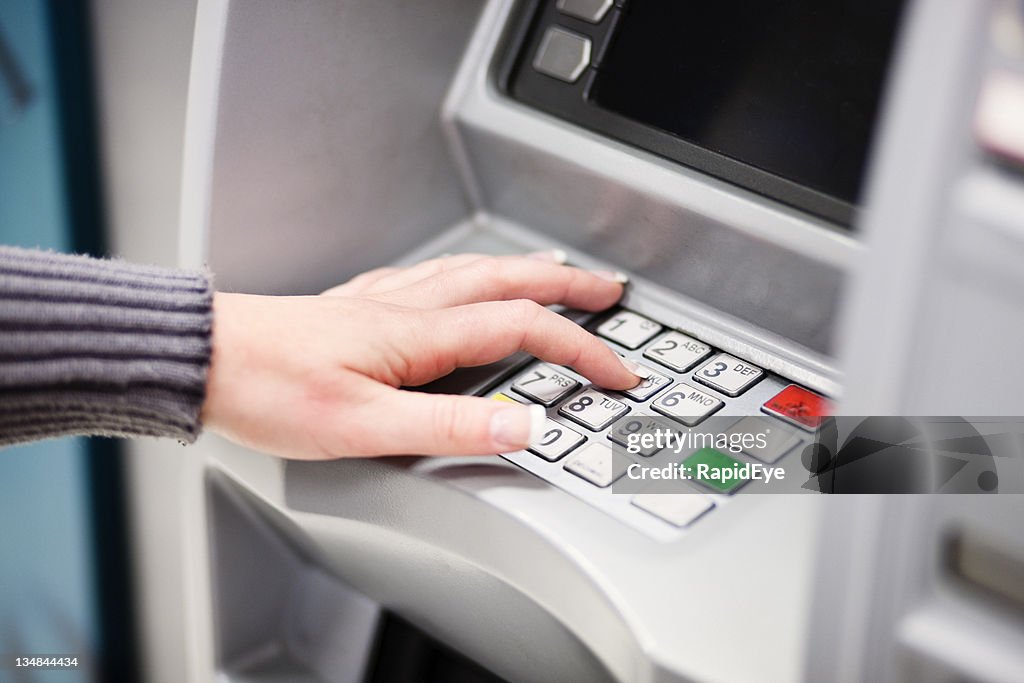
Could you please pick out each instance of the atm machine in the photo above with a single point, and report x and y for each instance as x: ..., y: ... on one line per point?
x: 829, y: 194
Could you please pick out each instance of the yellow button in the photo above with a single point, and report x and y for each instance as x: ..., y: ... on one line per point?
x: 498, y: 396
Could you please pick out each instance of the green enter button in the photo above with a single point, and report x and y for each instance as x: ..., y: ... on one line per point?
x: 716, y: 470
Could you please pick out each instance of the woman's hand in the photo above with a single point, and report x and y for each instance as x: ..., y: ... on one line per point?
x: 319, y: 376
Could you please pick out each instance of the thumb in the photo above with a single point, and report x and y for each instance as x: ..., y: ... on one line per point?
x: 439, y: 424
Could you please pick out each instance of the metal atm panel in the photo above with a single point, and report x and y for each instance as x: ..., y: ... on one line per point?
x: 516, y: 574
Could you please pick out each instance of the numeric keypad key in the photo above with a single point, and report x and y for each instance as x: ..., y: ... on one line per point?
x: 596, y: 463
x: 641, y: 435
x: 592, y: 409
x: 728, y: 374
x: 556, y: 441
x: 628, y: 329
x: 544, y: 384
x: 687, y: 404
x: 677, y: 351
x: 652, y: 384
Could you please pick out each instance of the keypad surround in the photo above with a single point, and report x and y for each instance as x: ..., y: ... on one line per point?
x: 745, y: 392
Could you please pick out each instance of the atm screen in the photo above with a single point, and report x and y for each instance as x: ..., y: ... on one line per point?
x: 780, y: 97
x: 791, y: 87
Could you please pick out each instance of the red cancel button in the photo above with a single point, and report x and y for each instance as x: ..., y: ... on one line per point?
x: 799, y: 406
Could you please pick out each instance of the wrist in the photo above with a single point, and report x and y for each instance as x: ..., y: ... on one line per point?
x: 220, y: 331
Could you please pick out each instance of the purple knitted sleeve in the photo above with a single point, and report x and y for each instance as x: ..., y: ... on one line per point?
x: 100, y: 347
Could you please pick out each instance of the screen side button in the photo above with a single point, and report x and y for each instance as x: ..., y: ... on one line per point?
x: 587, y: 10
x: 562, y: 55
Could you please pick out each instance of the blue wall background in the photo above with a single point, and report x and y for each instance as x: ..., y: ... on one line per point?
x: 47, y: 584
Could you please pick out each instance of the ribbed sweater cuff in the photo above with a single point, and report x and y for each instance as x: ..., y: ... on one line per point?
x: 100, y: 347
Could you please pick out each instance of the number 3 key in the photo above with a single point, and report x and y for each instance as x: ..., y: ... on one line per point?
x: 728, y: 374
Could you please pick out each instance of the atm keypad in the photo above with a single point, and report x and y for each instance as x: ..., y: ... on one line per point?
x: 628, y: 329
x: 585, y: 446
x: 728, y: 374
x: 544, y: 384
x: 593, y: 409
x: 677, y: 351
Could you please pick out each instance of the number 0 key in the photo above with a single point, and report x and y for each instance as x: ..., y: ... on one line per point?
x: 556, y: 441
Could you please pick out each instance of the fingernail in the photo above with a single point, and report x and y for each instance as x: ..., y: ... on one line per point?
x: 635, y: 368
x: 612, y: 276
x: 552, y: 255
x: 516, y: 427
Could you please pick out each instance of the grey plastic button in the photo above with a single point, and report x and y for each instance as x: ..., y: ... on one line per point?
x: 629, y: 433
x: 596, y: 463
x: 677, y: 351
x: 728, y: 374
x: 556, y: 441
x: 628, y: 329
x: 587, y: 10
x: 562, y: 55
x: 678, y: 509
x: 687, y: 404
x: 544, y: 385
x: 652, y: 384
x: 592, y: 409
x: 765, y: 440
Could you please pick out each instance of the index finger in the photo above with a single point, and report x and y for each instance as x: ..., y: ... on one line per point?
x: 477, y: 334
x: 512, y: 277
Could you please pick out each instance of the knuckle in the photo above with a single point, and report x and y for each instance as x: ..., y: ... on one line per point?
x: 484, y: 270
x: 577, y: 277
x: 438, y: 265
x: 374, y: 274
x: 524, y: 312
x: 445, y: 423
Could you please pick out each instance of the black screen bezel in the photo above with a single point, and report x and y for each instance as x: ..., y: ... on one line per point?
x: 514, y: 78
